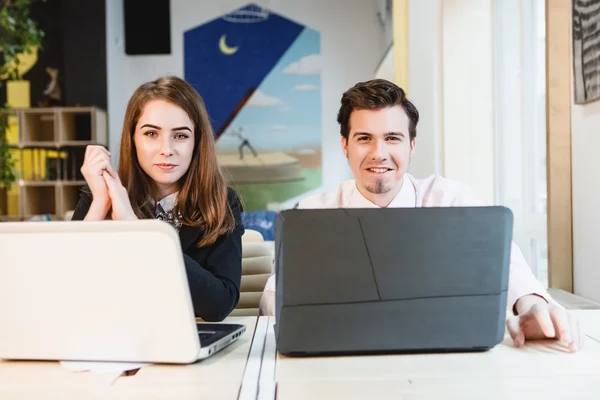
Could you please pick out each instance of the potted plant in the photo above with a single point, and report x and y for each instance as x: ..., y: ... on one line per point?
x: 18, y: 34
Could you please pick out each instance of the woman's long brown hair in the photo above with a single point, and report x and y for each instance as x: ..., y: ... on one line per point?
x: 202, y: 198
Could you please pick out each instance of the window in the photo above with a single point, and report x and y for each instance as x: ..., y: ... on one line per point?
x: 520, y: 124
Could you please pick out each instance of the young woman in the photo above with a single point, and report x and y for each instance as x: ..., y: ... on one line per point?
x: 168, y: 170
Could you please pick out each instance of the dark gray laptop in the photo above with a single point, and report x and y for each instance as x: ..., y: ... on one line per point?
x: 391, y: 280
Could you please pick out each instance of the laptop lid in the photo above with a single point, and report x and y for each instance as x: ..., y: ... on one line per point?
x: 95, y: 291
x: 392, y: 279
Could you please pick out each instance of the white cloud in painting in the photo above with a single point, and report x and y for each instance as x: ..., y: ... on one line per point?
x: 278, y: 127
x: 306, y: 152
x: 308, y: 65
x: 304, y: 88
x: 259, y: 99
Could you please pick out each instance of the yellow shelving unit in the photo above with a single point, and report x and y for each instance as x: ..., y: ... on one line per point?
x: 48, y: 148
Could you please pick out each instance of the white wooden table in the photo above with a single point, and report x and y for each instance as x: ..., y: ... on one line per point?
x: 544, y: 369
x: 218, y: 377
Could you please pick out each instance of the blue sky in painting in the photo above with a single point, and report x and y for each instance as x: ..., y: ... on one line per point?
x: 285, y: 111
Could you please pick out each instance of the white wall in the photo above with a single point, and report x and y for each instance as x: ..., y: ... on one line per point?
x: 425, y: 84
x: 385, y: 70
x: 585, y: 134
x: 585, y: 181
x: 352, y: 44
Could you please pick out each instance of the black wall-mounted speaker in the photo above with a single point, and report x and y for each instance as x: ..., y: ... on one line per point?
x: 147, y: 26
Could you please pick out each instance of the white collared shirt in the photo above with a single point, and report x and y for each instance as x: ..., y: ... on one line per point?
x: 434, y: 191
x: 167, y: 203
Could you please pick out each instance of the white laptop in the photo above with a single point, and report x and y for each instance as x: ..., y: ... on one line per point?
x: 100, y: 291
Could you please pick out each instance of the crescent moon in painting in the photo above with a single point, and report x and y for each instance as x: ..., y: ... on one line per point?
x: 226, y: 49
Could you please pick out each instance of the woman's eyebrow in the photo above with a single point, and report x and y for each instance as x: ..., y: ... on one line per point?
x: 181, y: 128
x: 150, y: 126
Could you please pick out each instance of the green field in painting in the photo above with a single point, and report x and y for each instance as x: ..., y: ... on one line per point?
x: 256, y: 196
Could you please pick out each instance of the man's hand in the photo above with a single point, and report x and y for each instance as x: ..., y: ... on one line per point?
x: 540, y: 320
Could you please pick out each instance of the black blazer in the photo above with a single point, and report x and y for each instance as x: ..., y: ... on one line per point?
x: 214, y: 272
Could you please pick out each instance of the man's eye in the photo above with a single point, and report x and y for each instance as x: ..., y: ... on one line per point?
x: 362, y: 138
x: 394, y: 138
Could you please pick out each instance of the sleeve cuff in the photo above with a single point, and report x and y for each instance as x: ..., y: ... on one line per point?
x: 514, y: 307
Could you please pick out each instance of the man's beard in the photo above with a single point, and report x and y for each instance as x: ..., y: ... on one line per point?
x: 377, y: 188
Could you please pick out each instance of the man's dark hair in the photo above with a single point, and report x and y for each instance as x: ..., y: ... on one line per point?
x: 374, y: 95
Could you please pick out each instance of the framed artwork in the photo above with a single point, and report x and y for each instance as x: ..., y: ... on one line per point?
x: 586, y: 50
x: 259, y: 74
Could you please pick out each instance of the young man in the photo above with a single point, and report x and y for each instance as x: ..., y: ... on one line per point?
x: 378, y: 126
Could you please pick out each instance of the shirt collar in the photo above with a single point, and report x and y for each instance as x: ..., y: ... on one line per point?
x: 406, y: 197
x: 167, y: 203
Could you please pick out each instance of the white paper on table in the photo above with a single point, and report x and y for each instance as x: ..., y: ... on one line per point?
x: 100, y: 366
